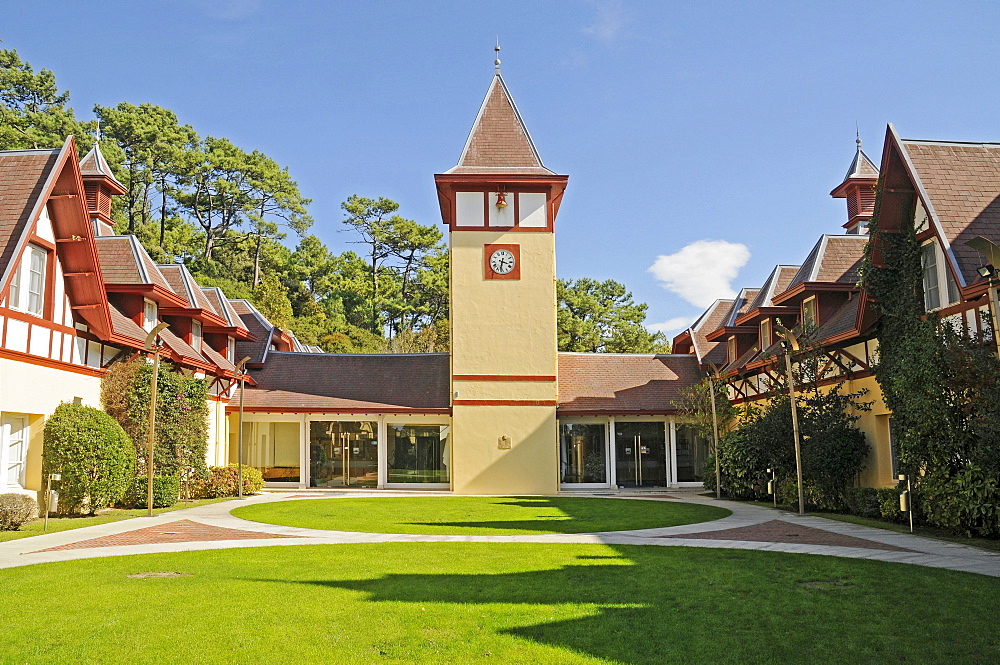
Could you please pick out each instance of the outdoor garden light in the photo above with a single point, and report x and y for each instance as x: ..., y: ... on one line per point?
x: 991, y: 253
x: 904, y: 499
x: 48, y: 498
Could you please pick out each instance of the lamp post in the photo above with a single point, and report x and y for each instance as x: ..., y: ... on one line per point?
x: 712, y: 378
x: 242, y: 373
x: 152, y: 346
x: 790, y: 343
x: 990, y: 252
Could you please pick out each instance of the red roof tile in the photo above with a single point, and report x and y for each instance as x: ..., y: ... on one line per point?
x: 23, y: 175
x: 604, y: 383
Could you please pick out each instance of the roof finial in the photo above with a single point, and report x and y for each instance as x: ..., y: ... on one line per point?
x: 857, y: 129
x: 496, y: 63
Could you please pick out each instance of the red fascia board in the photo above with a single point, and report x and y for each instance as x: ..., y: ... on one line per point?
x: 234, y: 408
x: 153, y: 291
x: 752, y: 317
x: 110, y: 183
x: 840, y: 191
x: 239, y: 333
x: 569, y: 412
x: 719, y: 333
x: 194, y: 313
x: 806, y: 288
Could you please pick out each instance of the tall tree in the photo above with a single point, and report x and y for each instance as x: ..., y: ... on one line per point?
x: 147, y: 144
x: 601, y: 317
x: 34, y: 113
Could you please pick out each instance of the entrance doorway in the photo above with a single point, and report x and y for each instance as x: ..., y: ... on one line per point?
x: 343, y: 453
x: 641, y: 454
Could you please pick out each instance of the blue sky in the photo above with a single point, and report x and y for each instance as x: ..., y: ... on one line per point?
x: 711, y: 131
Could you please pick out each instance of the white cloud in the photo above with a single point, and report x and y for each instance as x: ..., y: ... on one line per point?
x: 675, y: 324
x: 702, y: 271
x: 611, y: 20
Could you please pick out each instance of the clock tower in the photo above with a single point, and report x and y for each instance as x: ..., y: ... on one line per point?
x: 500, y: 204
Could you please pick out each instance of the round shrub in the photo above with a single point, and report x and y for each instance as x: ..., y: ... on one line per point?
x: 166, y: 490
x: 92, y: 452
x: 224, y: 481
x: 16, y: 510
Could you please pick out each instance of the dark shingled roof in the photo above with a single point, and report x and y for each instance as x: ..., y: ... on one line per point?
x: 183, y: 284
x: 23, y: 175
x: 258, y: 326
x: 606, y: 383
x: 962, y: 181
x: 710, y: 352
x: 833, y: 259
x: 351, y: 383
x: 499, y: 141
x: 845, y: 319
x: 125, y: 261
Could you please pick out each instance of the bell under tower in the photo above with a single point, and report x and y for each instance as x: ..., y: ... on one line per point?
x: 500, y: 204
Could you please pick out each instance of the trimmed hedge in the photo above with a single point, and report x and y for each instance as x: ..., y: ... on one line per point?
x: 92, y: 452
x: 166, y: 491
x: 16, y: 510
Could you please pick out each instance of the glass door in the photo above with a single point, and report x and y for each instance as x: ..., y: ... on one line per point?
x: 343, y: 453
x: 641, y: 454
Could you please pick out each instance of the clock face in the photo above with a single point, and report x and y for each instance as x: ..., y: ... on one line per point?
x: 502, y: 261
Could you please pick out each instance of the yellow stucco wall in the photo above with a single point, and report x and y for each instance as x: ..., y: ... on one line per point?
x: 530, y: 466
x: 504, y: 327
x: 36, y: 390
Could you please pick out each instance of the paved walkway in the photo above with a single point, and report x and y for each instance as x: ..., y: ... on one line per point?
x: 748, y: 528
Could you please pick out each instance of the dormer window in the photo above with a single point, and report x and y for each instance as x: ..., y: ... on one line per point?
x: 765, y: 334
x: 27, y: 288
x: 809, y: 318
x: 196, y: 335
x: 731, y: 348
x: 149, y: 315
x: 231, y: 350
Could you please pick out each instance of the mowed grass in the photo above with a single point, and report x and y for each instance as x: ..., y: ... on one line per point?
x: 36, y: 527
x: 471, y: 515
x: 471, y: 603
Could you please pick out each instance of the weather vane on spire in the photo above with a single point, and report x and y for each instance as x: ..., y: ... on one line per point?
x: 857, y: 129
x: 496, y: 63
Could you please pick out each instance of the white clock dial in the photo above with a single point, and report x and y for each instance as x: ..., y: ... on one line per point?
x: 502, y: 261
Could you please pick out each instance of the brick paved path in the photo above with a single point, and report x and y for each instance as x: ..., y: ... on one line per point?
x: 749, y: 527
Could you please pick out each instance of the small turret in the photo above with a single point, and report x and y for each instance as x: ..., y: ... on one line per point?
x: 859, y: 190
x: 99, y: 185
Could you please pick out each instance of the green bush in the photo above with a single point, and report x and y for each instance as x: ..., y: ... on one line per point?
x: 166, y: 490
x: 92, y: 452
x: 888, y: 501
x: 966, y: 500
x: 863, y: 502
x: 16, y: 510
x: 224, y: 481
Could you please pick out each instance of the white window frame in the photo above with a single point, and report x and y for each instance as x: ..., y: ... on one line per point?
x: 731, y: 348
x: 947, y: 289
x: 810, y: 304
x: 149, y: 322
x: 11, y: 423
x: 231, y: 349
x: 21, y: 292
x: 197, y: 335
x: 765, y: 341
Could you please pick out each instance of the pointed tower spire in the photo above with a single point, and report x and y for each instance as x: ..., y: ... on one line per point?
x: 496, y: 63
x: 858, y: 188
x: 99, y: 185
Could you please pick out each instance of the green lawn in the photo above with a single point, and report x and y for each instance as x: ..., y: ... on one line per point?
x: 469, y: 515
x: 102, y: 517
x: 471, y: 603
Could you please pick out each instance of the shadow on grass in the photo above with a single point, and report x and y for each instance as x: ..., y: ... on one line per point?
x: 650, y: 606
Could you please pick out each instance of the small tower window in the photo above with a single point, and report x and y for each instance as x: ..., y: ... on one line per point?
x: 196, y: 335
x: 731, y: 348
x: 149, y: 315
x: 809, y: 319
x: 765, y: 334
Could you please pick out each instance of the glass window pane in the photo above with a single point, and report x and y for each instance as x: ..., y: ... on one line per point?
x: 583, y: 453
x: 418, y: 453
x: 14, y: 299
x: 274, y: 449
x: 36, y: 281
x: 692, y: 451
x: 928, y: 258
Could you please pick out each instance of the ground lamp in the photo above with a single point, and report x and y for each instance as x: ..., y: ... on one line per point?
x: 152, y: 346
x: 48, y: 498
x: 242, y: 373
x: 772, y: 485
x: 991, y: 253
x: 904, y: 499
x: 790, y: 344
x: 712, y: 378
